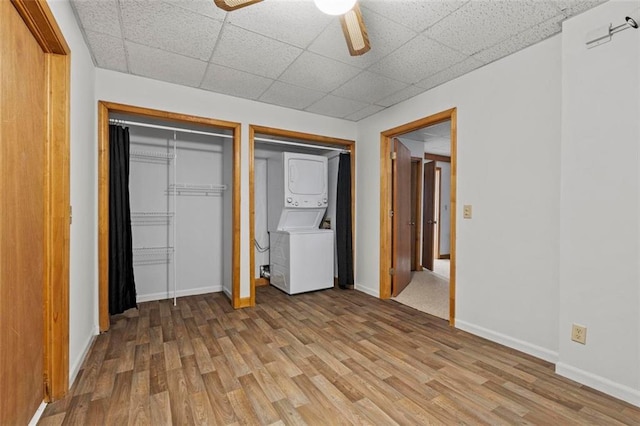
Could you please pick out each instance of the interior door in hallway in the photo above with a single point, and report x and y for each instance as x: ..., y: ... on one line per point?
x: 401, y: 253
x: 22, y: 140
x: 428, y: 215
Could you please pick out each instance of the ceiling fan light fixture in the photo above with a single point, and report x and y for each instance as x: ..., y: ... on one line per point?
x: 335, y: 7
x: 355, y: 32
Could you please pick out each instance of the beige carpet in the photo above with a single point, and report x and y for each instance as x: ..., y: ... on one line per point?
x: 427, y: 292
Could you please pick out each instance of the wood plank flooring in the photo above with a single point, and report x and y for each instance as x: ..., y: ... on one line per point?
x: 330, y: 357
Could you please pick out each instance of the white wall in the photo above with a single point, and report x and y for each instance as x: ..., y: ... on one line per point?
x: 227, y: 232
x: 127, y: 89
x: 260, y: 218
x: 508, y: 169
x: 600, y: 211
x: 445, y: 206
x: 83, y: 295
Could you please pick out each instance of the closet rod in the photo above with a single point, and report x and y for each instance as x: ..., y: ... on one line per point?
x: 328, y: 148
x: 176, y: 129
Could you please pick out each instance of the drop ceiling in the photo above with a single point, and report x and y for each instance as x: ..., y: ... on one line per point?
x: 288, y: 53
x: 436, y: 138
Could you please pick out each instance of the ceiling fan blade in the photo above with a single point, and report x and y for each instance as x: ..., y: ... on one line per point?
x: 230, y: 5
x: 355, y: 32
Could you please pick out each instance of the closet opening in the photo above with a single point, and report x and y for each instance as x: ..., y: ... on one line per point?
x: 269, y: 151
x: 183, y: 196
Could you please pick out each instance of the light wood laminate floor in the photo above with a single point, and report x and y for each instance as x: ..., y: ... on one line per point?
x: 331, y: 357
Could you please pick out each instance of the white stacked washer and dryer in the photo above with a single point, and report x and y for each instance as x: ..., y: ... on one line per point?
x: 301, y: 254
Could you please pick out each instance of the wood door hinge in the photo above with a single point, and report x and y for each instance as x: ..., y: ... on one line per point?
x: 392, y: 271
x: 393, y: 156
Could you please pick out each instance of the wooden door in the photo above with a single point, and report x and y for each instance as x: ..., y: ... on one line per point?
x: 416, y: 213
x: 428, y: 212
x: 401, y: 257
x: 22, y: 140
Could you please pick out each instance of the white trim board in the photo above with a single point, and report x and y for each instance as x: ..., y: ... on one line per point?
x: 367, y: 290
x: 36, y: 416
x: 503, y: 339
x: 625, y: 393
x: 180, y: 293
x: 75, y: 367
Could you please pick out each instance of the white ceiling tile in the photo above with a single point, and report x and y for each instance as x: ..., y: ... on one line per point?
x: 108, y: 51
x: 166, y: 66
x: 417, y: 58
x: 235, y: 83
x: 170, y: 28
x: 364, y: 112
x: 385, y: 36
x: 478, y: 24
x: 202, y: 7
x: 317, y: 72
x: 440, y: 130
x: 415, y: 14
x: 519, y: 41
x: 292, y: 22
x: 334, y: 106
x: 573, y: 7
x: 450, y: 73
x: 401, y: 95
x: 99, y: 16
x: 369, y: 87
x: 290, y: 96
x: 247, y: 51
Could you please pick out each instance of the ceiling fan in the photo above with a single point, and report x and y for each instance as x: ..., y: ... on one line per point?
x: 350, y: 16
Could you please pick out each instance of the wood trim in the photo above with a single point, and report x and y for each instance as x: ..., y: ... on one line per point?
x: 386, y: 203
x: 42, y: 24
x: 103, y: 216
x: 57, y: 228
x: 259, y: 282
x: 444, y: 256
x: 452, y: 221
x: 104, y: 109
x: 312, y: 139
x: 237, y: 179
x: 418, y: 223
x: 244, y: 302
x: 307, y: 137
x: 252, y: 216
x: 436, y: 157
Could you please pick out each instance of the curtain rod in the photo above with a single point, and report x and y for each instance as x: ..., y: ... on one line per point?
x: 328, y: 148
x: 157, y: 126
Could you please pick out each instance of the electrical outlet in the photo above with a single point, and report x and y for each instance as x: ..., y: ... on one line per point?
x: 579, y: 334
x: 467, y: 211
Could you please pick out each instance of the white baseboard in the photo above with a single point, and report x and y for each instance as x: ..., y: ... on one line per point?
x: 375, y: 292
x: 36, y: 417
x: 503, y: 339
x: 625, y: 393
x: 227, y: 292
x: 75, y: 367
x: 180, y: 293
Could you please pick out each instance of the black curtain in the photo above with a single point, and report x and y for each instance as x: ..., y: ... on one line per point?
x: 122, y: 287
x: 343, y: 223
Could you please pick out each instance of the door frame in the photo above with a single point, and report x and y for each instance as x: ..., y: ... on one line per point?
x: 386, y: 200
x: 43, y: 26
x: 104, y: 109
x: 311, y: 139
x: 418, y: 213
